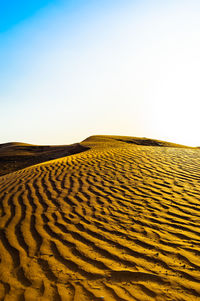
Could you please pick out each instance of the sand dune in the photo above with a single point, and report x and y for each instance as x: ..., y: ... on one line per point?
x: 15, y: 156
x: 119, y: 221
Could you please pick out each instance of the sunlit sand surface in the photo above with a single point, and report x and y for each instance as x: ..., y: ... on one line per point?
x: 118, y: 221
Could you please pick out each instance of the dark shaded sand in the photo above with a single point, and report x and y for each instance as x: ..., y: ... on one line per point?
x: 15, y: 156
x: 119, y: 220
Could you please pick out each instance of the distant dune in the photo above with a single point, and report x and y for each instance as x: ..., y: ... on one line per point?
x: 15, y: 156
x: 110, y: 218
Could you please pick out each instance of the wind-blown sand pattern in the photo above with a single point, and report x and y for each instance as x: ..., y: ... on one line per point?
x: 120, y: 221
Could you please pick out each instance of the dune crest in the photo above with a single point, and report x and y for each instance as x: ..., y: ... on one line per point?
x: 15, y: 156
x: 119, y: 221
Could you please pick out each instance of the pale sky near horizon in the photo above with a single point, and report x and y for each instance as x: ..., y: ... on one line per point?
x: 71, y: 69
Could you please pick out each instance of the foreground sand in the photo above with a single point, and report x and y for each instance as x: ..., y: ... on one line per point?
x: 117, y: 222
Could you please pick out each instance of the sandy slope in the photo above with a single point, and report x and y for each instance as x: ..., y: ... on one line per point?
x: 15, y: 156
x: 120, y: 221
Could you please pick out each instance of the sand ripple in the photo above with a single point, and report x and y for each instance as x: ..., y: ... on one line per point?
x: 117, y: 222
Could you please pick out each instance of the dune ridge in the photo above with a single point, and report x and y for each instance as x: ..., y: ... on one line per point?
x: 119, y: 221
x: 15, y: 155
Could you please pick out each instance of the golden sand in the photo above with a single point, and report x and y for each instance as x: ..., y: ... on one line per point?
x: 120, y: 221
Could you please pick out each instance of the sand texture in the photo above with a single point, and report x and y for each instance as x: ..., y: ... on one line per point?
x: 119, y: 221
x: 15, y: 156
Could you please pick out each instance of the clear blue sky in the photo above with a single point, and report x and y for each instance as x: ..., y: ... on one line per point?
x: 13, y: 12
x: 70, y: 69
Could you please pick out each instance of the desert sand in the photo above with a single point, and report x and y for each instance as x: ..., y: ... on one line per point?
x: 116, y: 219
